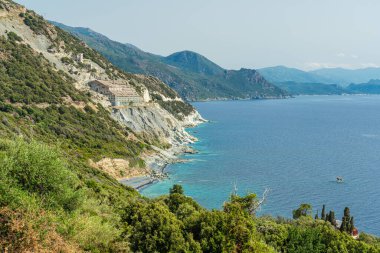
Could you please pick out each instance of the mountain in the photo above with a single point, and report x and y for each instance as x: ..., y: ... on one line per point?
x: 347, y: 76
x: 193, y: 62
x: 371, y: 87
x: 299, y: 82
x: 296, y: 88
x: 280, y: 74
x: 192, y: 75
x: 323, y: 81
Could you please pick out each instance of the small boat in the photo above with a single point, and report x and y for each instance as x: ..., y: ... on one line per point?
x: 339, y: 179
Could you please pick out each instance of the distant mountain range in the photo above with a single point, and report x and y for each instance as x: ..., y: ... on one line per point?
x: 345, y: 77
x: 324, y: 81
x: 299, y: 88
x: 281, y: 74
x: 195, y: 77
x: 192, y: 75
x: 371, y: 87
x: 339, y: 76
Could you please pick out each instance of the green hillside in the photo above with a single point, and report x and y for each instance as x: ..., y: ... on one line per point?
x: 193, y: 76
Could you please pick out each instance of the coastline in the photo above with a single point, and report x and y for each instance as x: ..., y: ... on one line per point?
x: 157, y: 164
x: 158, y: 161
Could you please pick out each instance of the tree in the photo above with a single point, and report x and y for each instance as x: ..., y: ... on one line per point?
x: 176, y: 189
x: 347, y: 212
x: 347, y: 221
x: 352, y: 226
x: 316, y: 216
x: 331, y: 217
x: 323, y: 214
x: 303, y: 210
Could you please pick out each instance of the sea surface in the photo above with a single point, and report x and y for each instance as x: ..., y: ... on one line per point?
x: 295, y: 147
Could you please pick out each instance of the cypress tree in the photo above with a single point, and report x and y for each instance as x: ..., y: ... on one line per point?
x: 332, y: 218
x: 347, y: 221
x: 347, y: 212
x: 344, y: 224
x: 316, y: 216
x: 323, y: 214
x: 352, y: 225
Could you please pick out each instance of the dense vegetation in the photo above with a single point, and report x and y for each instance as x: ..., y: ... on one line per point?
x: 47, y: 205
x: 177, y: 108
x: 26, y: 77
x: 36, y: 100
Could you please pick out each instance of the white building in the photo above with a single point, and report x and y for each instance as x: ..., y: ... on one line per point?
x: 79, y: 58
x: 118, y: 92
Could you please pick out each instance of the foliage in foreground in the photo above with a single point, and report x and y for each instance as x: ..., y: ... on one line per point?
x: 48, y: 206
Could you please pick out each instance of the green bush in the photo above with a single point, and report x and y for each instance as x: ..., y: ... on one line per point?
x: 13, y: 36
x: 38, y: 170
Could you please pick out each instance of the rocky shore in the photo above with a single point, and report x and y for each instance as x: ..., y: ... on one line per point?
x: 159, y: 159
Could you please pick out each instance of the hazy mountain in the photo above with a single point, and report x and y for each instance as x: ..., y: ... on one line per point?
x: 279, y: 74
x: 295, y: 88
x: 192, y: 75
x: 371, y: 87
x: 323, y: 81
x: 348, y: 76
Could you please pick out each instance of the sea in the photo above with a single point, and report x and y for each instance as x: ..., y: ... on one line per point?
x: 294, y: 147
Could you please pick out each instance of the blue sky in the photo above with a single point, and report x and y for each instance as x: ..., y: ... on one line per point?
x: 306, y: 34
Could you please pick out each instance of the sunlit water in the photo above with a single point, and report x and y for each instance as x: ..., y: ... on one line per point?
x: 296, y: 147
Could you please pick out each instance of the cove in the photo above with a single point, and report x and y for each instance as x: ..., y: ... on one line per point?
x: 296, y: 147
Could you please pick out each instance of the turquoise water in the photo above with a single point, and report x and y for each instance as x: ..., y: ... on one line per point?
x: 296, y: 147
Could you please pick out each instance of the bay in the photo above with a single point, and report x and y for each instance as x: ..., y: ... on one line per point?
x: 295, y: 147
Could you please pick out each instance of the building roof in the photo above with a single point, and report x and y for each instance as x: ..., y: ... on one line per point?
x: 119, y: 88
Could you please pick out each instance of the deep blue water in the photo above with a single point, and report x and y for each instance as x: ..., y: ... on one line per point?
x: 296, y: 147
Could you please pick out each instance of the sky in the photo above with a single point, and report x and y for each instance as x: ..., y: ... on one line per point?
x: 305, y: 34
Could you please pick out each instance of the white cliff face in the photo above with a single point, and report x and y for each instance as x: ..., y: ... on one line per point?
x: 193, y: 119
x: 159, y: 124
x: 155, y: 122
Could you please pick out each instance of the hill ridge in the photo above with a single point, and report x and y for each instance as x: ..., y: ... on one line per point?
x: 198, y: 79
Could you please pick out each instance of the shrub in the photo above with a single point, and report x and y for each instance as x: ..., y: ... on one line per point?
x: 22, y: 231
x: 37, y: 170
x: 14, y: 37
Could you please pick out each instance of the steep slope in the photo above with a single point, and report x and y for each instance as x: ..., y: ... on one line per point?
x: 246, y: 79
x: 45, y: 93
x: 191, y: 61
x: 348, y: 76
x: 193, y: 76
